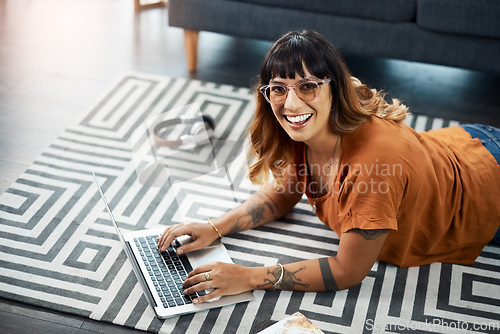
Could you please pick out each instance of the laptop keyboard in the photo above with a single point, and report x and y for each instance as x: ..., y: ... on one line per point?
x: 167, y: 270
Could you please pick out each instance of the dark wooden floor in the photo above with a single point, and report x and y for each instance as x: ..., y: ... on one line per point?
x: 58, y: 56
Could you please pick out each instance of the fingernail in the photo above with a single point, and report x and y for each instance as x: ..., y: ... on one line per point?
x: 196, y: 301
x: 180, y: 251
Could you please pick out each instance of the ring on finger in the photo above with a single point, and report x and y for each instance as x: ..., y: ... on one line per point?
x: 210, y: 283
x: 207, y: 276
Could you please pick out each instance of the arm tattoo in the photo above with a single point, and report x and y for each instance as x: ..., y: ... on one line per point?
x: 326, y: 273
x: 288, y: 281
x: 276, y: 272
x: 270, y: 203
x: 370, y: 234
x: 253, y: 217
x: 255, y: 214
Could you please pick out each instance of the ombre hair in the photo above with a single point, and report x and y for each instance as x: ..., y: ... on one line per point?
x: 353, y: 103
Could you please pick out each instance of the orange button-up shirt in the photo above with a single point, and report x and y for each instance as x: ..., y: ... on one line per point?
x: 437, y: 191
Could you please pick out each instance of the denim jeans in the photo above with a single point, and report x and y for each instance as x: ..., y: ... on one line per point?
x: 490, y: 137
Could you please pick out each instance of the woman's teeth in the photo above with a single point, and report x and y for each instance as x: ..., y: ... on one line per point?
x: 297, y: 119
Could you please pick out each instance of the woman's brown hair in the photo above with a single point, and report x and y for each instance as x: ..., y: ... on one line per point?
x: 353, y: 103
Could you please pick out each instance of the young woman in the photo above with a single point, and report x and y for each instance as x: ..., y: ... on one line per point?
x: 390, y: 193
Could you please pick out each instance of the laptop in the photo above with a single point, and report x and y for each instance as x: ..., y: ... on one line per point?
x: 161, y: 274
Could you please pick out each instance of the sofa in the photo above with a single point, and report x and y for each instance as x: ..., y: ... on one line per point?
x: 458, y: 33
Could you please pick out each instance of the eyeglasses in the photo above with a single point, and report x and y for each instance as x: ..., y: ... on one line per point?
x: 307, y: 90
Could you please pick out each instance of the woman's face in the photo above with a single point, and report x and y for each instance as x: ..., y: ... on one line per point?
x: 306, y: 122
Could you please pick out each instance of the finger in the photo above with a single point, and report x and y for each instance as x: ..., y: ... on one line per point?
x: 201, y: 269
x: 196, y: 279
x: 168, y: 237
x: 163, y: 238
x: 209, y: 296
x: 205, y: 285
x: 190, y: 247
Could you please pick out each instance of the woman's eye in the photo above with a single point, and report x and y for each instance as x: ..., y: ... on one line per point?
x: 278, y: 90
x: 308, y: 86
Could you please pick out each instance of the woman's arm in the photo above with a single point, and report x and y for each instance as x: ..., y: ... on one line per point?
x: 358, y: 251
x: 266, y: 205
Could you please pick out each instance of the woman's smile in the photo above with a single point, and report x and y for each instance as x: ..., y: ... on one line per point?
x: 298, y: 120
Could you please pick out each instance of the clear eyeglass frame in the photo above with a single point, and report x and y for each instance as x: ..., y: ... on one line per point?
x: 305, y: 92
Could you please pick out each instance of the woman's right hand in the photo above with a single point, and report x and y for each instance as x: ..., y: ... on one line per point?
x: 202, y: 234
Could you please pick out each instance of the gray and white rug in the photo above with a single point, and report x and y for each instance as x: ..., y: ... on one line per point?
x: 59, y: 251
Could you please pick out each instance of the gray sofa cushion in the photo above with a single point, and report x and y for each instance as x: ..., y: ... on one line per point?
x: 460, y: 16
x: 353, y: 35
x: 380, y: 10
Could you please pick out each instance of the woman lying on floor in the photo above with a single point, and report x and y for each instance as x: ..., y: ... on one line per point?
x: 390, y: 193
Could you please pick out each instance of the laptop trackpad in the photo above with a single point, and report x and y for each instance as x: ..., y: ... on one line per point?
x: 209, y: 254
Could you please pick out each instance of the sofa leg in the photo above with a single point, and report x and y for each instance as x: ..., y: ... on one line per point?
x: 191, y: 45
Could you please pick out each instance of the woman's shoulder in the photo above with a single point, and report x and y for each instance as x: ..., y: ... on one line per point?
x: 381, y: 139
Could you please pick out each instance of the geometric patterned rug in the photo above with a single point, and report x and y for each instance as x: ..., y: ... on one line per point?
x: 58, y: 249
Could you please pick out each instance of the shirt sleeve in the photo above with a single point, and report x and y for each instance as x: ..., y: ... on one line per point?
x: 370, y: 193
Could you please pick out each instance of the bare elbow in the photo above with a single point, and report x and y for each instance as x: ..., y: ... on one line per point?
x: 347, y: 278
x: 349, y: 283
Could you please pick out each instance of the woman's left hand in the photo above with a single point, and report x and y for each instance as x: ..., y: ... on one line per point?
x: 224, y: 278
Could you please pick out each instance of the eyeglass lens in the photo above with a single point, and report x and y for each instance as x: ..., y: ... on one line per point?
x: 306, y: 91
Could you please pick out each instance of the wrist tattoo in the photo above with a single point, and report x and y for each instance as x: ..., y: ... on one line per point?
x: 276, y: 272
x: 289, y: 280
x: 370, y: 234
x: 326, y: 273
